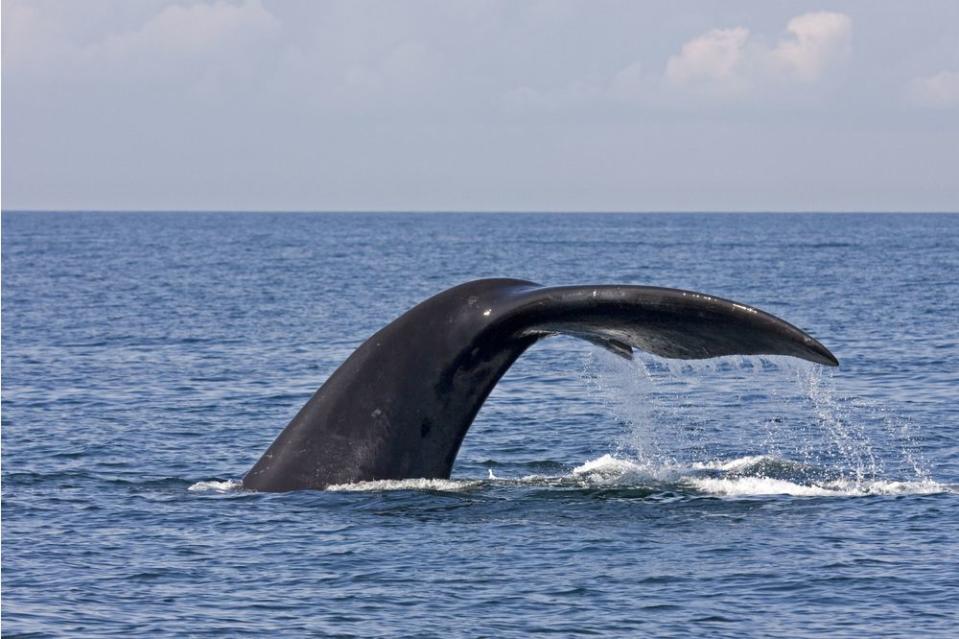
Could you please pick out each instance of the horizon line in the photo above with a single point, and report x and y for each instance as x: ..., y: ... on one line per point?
x: 494, y: 211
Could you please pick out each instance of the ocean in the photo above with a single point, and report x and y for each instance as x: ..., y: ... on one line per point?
x: 148, y: 360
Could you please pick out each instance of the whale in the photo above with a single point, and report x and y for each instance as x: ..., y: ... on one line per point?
x: 401, y: 404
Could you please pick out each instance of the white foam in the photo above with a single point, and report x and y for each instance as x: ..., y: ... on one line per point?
x: 613, y: 471
x: 733, y: 465
x: 607, y: 465
x: 445, y: 485
x: 216, y: 486
x: 887, y: 487
x: 608, y: 470
x: 747, y: 486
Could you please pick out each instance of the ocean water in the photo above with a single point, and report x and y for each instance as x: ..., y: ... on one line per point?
x: 149, y: 359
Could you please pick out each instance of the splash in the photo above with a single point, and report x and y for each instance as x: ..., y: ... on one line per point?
x: 756, y: 486
x: 216, y: 486
x: 610, y: 470
x: 788, y: 416
x: 751, y: 475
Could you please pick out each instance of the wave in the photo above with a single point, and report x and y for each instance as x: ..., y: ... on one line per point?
x: 747, y: 476
x: 747, y: 464
x: 751, y: 475
x: 754, y: 486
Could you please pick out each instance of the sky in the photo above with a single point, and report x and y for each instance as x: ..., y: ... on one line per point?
x: 725, y: 105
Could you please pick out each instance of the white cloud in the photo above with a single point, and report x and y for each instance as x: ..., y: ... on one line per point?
x: 204, y: 26
x: 939, y: 91
x: 724, y: 64
x: 716, y: 55
x: 818, y: 40
x: 189, y: 35
x: 30, y: 41
x: 172, y: 47
x: 732, y: 62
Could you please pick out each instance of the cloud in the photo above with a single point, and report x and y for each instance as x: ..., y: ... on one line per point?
x: 715, y: 56
x: 732, y: 62
x: 183, y: 45
x: 939, y: 91
x: 817, y: 40
x: 188, y: 39
x: 30, y: 41
x: 201, y: 27
x: 723, y: 64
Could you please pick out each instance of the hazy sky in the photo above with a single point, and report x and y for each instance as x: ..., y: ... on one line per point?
x: 724, y: 105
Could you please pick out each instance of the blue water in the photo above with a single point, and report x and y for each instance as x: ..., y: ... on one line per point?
x: 149, y: 359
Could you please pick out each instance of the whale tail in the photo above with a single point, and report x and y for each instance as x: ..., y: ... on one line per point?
x: 666, y: 322
x: 401, y: 404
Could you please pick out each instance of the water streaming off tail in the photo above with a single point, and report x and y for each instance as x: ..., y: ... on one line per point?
x: 774, y: 418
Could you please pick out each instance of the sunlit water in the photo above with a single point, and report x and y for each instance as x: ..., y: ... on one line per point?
x: 148, y: 360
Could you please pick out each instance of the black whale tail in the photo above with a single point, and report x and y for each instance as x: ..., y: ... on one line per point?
x: 401, y: 404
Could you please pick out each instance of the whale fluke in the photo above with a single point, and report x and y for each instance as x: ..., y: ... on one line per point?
x: 401, y: 404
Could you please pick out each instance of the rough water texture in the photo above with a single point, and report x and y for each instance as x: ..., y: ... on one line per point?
x: 148, y: 360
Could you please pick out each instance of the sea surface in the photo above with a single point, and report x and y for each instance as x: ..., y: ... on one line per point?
x: 148, y: 360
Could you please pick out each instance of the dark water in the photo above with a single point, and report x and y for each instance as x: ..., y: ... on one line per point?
x: 148, y: 360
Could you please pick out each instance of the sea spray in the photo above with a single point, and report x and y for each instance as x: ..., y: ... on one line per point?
x: 687, y: 414
x: 843, y: 440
